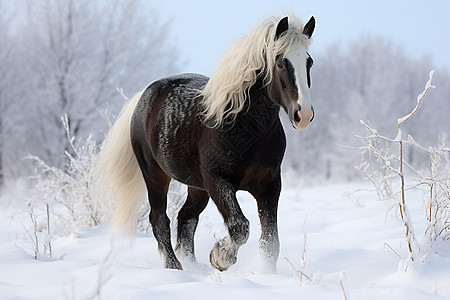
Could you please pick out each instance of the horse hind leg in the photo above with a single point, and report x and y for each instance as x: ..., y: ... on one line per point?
x: 187, y: 222
x: 157, y: 186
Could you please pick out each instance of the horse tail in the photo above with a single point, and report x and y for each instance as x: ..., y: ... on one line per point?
x: 116, y: 172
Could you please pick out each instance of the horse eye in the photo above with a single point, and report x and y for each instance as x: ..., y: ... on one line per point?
x: 280, y: 64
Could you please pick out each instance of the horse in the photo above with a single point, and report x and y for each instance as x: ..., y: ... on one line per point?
x: 216, y: 135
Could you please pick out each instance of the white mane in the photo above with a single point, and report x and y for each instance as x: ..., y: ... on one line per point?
x: 251, y: 56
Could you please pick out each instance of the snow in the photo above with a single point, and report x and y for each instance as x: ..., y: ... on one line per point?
x: 345, y: 250
x: 399, y: 136
x: 428, y: 86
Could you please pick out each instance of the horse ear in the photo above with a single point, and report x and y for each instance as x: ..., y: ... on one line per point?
x: 282, y: 27
x: 309, y: 27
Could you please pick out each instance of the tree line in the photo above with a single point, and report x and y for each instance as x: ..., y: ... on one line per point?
x: 70, y: 56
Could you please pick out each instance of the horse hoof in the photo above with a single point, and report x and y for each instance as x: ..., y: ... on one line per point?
x: 175, y: 265
x: 222, y: 257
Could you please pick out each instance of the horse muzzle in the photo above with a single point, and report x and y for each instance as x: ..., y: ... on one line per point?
x: 302, y: 117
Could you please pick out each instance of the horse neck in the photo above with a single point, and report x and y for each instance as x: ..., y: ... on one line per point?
x: 261, y: 105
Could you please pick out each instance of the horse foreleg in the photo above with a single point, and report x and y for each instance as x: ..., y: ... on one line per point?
x: 267, y: 200
x: 224, y: 253
x: 187, y: 222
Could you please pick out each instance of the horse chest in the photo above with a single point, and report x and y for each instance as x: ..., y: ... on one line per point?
x: 255, y: 138
x: 247, y: 154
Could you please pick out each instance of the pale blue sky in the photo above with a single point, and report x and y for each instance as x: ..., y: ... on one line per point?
x: 203, y: 30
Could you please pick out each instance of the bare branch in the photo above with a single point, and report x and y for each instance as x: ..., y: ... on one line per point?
x: 419, y: 100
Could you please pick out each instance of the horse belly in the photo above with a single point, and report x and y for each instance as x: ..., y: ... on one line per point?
x: 181, y: 165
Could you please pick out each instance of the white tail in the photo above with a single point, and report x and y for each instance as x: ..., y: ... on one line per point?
x: 116, y: 171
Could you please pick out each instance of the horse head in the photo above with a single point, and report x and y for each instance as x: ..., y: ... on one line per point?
x: 291, y: 76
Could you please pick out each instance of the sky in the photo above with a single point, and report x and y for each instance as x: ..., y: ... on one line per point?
x: 202, y: 30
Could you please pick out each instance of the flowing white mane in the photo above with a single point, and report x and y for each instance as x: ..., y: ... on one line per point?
x: 251, y: 56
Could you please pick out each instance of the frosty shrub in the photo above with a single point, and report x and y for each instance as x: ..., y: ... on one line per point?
x: 65, y: 192
x: 374, y: 152
x: 383, y: 167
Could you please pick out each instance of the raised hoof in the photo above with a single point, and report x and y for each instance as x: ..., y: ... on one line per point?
x: 222, y: 257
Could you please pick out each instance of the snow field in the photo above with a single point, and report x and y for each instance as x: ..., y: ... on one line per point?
x: 345, y: 248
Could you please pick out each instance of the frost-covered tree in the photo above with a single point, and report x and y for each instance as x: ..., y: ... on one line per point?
x: 74, y: 55
x: 7, y: 78
x: 3, y: 58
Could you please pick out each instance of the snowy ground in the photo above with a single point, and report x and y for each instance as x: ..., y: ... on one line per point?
x: 345, y: 248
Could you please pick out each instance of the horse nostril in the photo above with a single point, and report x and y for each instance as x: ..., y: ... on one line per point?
x: 312, y: 117
x: 297, y: 117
